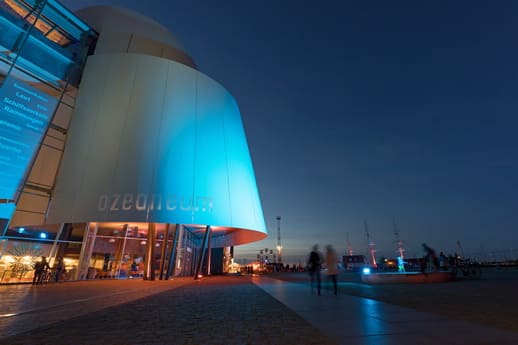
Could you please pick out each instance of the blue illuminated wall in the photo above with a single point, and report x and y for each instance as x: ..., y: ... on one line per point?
x: 153, y: 140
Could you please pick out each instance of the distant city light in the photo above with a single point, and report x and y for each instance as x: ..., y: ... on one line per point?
x: 43, y: 235
x: 366, y: 270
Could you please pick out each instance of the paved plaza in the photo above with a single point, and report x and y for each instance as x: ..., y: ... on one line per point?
x: 278, y: 309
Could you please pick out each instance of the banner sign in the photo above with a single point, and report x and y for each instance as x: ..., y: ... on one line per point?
x: 25, y: 113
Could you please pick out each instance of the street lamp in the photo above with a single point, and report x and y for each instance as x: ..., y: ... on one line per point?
x: 279, y: 251
x: 279, y: 246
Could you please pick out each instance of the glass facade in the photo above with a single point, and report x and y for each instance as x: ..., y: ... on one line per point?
x: 43, y: 48
x: 119, y: 251
x: 44, y: 39
x: 20, y: 248
x: 101, y: 251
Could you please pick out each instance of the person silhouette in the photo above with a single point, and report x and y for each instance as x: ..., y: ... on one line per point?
x: 59, y: 269
x: 430, y: 258
x: 40, y: 270
x: 332, y: 269
x: 314, y: 265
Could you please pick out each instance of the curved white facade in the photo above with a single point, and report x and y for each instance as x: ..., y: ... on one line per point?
x: 125, y: 31
x: 109, y: 19
x: 153, y: 140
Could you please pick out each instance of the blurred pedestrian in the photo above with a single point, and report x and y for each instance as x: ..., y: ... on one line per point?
x: 430, y: 258
x: 40, y: 271
x: 134, y: 269
x: 332, y: 269
x: 59, y: 269
x: 314, y: 265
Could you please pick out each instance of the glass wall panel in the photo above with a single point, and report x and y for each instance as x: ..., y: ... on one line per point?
x: 119, y: 250
x: 23, y: 247
x: 44, y: 39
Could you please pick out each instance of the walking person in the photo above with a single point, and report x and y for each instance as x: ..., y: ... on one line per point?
x: 332, y: 269
x: 314, y: 265
x: 430, y: 259
x: 40, y: 270
x: 59, y: 269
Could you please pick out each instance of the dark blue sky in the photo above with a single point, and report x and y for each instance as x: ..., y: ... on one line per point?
x: 368, y: 110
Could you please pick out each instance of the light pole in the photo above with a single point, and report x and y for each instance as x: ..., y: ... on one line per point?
x: 279, y: 246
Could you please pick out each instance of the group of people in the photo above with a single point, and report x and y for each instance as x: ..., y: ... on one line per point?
x: 315, y: 263
x: 432, y: 261
x: 43, y: 272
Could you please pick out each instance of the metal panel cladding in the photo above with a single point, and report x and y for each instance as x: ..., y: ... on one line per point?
x: 153, y: 140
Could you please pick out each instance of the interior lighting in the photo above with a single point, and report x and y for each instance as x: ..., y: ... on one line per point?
x: 27, y: 260
x: 366, y: 270
x: 7, y: 315
x: 43, y: 235
x: 21, y: 230
x: 8, y: 258
x: 44, y: 25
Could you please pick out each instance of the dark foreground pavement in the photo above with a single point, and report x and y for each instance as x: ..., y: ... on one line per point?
x: 215, y: 310
x: 491, y: 300
x: 257, y: 310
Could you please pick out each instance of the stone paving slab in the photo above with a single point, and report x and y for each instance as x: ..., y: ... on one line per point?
x: 491, y: 301
x: 215, y: 310
x: 25, y: 307
x: 225, y: 310
x: 356, y: 320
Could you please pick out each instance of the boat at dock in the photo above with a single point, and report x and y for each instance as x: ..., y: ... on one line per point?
x: 407, y: 277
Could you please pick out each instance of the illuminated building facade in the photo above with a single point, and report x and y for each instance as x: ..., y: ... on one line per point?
x: 138, y: 163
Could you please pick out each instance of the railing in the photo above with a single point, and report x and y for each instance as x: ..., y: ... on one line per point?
x: 467, y: 269
x: 9, y: 276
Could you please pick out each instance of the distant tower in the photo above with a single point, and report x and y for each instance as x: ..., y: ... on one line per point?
x: 279, y: 246
x: 349, y: 248
x: 399, y: 243
x: 461, y: 251
x: 372, y: 251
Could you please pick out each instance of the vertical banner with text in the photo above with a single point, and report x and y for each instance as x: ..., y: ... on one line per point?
x: 25, y: 113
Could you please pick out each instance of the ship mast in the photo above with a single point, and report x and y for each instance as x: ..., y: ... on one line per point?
x: 349, y: 248
x: 399, y: 243
x: 461, y: 252
x: 372, y: 251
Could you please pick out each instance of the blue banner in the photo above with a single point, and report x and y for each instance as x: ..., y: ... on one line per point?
x: 25, y: 113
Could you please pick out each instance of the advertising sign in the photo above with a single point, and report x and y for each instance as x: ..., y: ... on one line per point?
x: 25, y: 113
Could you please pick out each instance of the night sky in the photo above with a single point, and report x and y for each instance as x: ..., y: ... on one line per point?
x: 376, y: 111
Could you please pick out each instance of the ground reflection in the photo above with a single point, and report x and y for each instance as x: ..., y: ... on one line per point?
x: 370, y: 323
